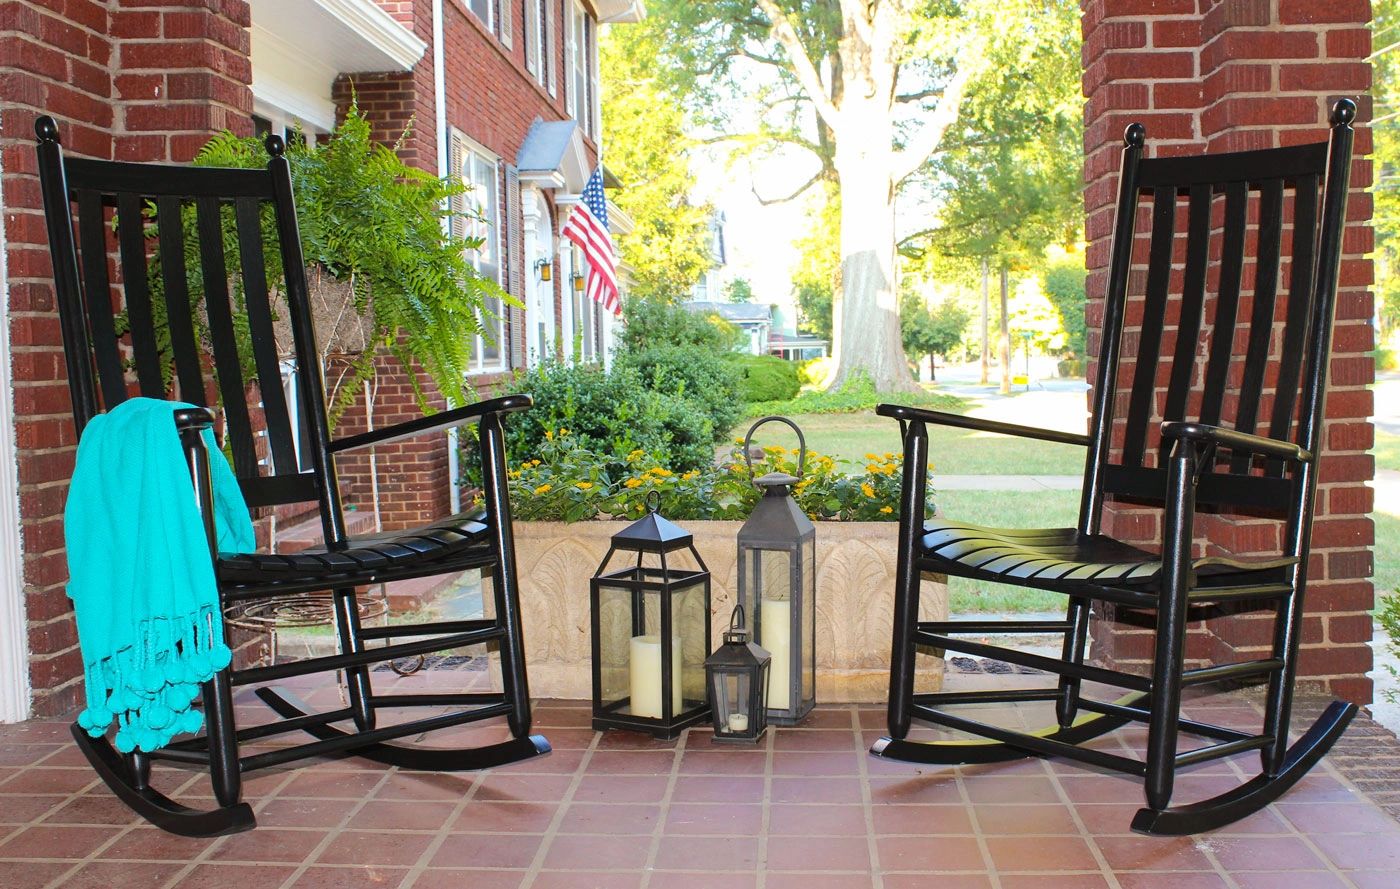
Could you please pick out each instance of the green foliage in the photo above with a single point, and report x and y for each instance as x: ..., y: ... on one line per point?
x: 931, y: 332
x: 739, y: 291
x: 1064, y: 287
x: 651, y: 322
x: 692, y: 373
x: 375, y: 222
x: 1388, y: 614
x: 571, y: 482
x: 644, y: 126
x: 857, y: 395
x: 1385, y: 129
x: 817, y: 277
x: 1385, y: 358
x: 612, y: 413
x: 764, y: 377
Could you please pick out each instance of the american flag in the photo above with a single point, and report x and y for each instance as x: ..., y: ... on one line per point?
x: 587, y: 226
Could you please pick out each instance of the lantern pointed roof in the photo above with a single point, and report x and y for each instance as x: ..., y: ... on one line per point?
x: 653, y: 531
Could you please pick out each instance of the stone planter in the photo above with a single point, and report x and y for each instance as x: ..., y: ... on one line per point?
x: 855, y: 592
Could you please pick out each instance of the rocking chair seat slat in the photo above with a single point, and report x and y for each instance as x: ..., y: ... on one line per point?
x: 398, y: 551
x: 1063, y: 555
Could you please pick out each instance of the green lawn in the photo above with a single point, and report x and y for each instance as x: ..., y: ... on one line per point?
x: 951, y: 451
x: 1387, y: 450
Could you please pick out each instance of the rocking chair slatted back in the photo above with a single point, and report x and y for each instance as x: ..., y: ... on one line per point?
x: 150, y: 222
x: 1216, y: 254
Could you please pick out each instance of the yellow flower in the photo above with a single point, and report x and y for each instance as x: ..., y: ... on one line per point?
x: 633, y: 483
x: 664, y: 473
x: 534, y: 463
x: 563, y: 432
x: 889, y: 456
x: 514, y: 474
x: 872, y: 468
x: 738, y: 441
x: 636, y: 455
x: 543, y: 489
x: 583, y: 486
x: 866, y: 489
x: 886, y: 510
x: 549, y: 434
x: 872, y: 456
x: 690, y: 475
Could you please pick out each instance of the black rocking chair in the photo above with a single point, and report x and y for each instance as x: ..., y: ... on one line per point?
x: 112, y: 203
x: 1194, y: 445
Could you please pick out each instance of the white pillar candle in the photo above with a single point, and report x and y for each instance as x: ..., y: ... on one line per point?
x: 646, y: 676
x: 775, y: 623
x: 738, y: 722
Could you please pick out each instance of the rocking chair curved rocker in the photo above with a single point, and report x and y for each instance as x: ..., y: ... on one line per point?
x: 146, y: 215
x: 1193, y: 445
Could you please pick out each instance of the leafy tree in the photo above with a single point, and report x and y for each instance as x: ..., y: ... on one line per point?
x: 739, y: 291
x: 1064, y: 287
x: 871, y: 88
x: 654, y: 322
x: 667, y: 251
x: 818, y: 274
x: 932, y: 332
x: 1385, y: 129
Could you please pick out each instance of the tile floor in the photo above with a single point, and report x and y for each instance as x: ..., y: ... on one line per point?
x: 808, y: 809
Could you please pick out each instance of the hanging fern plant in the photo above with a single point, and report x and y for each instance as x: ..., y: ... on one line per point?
x: 385, y: 272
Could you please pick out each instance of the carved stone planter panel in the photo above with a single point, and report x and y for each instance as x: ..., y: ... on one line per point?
x: 855, y: 602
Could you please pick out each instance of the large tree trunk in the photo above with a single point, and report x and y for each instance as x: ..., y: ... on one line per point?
x: 866, y: 314
x: 986, y: 317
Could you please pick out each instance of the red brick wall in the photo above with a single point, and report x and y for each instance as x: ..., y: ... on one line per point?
x: 141, y: 80
x: 1229, y: 75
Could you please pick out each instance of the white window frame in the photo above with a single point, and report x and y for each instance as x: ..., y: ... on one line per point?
x: 476, y: 165
x: 541, y: 319
x: 577, y: 65
x: 583, y: 312
x: 489, y: 19
x: 534, y: 40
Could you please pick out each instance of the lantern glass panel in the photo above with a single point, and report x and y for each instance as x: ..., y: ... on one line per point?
x: 771, y: 571
x: 690, y: 616
x: 614, y: 642
x: 808, y: 586
x: 731, y: 698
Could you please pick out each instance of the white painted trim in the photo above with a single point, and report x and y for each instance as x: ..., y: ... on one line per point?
x: 14, y: 638
x: 378, y: 28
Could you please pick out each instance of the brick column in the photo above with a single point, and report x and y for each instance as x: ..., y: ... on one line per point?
x: 1229, y: 75
x: 141, y: 81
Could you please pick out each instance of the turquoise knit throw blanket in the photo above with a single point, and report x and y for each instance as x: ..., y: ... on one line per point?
x: 140, y: 576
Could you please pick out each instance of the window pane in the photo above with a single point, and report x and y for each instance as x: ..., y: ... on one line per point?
x: 482, y: 10
x: 494, y: 324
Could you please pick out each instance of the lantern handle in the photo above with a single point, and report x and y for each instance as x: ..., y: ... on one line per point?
x: 653, y: 501
x: 801, y: 444
x: 737, y: 619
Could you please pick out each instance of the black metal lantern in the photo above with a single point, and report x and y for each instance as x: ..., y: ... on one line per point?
x: 738, y: 681
x: 778, y: 586
x: 651, y: 631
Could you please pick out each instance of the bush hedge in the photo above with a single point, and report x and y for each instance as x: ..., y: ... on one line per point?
x: 692, y: 373
x: 765, y: 377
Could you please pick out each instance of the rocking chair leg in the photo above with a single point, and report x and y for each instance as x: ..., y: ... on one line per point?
x: 1279, y: 704
x: 347, y: 624
x: 507, y: 592
x: 907, y: 578
x: 140, y: 766
x: 224, y: 771
x: 1067, y: 705
x: 1169, y: 656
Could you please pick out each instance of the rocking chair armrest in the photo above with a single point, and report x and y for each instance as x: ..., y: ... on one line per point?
x: 1204, y: 433
x: 193, y: 419
x: 434, y: 422
x: 942, y: 418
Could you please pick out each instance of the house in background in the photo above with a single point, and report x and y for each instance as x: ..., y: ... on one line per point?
x: 754, y: 319
x: 710, y: 287
x: 503, y: 93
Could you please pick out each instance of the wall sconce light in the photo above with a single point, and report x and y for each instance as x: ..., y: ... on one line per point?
x: 578, y: 282
x: 546, y: 269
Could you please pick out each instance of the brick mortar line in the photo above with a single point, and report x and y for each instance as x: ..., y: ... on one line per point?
x: 867, y: 800
x: 443, y: 832
x: 770, y: 746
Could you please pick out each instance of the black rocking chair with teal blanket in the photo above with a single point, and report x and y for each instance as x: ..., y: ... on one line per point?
x: 147, y: 336
x: 1219, y: 437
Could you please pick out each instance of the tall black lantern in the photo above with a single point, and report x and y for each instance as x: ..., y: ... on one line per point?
x: 738, y: 679
x: 651, y: 630
x: 778, y: 586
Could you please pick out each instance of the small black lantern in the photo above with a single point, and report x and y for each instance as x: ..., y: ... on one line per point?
x: 651, y: 631
x: 738, y: 680
x: 778, y: 585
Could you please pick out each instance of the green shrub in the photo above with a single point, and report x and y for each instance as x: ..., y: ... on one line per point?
x: 1385, y: 358
x: 653, y: 323
x: 764, y: 377
x: 692, y: 373
x: 568, y: 481
x: 611, y: 413
x: 816, y: 371
x: 857, y: 395
x: 1069, y: 367
x: 1388, y: 614
x: 1064, y: 286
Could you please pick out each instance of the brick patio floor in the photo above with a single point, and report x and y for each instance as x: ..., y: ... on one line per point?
x: 809, y: 809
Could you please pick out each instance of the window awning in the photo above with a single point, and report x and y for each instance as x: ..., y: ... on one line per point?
x: 620, y: 10
x: 553, y: 156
